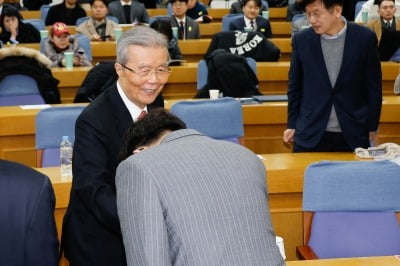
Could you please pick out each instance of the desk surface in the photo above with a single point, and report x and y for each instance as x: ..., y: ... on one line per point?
x: 366, y: 261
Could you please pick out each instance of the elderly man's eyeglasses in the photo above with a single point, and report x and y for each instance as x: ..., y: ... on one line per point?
x: 160, y: 72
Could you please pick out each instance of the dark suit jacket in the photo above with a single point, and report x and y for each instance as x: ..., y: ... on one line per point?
x: 27, y: 227
x: 138, y: 12
x: 357, y: 95
x: 58, y: 13
x: 191, y: 27
x: 263, y: 25
x: 91, y: 231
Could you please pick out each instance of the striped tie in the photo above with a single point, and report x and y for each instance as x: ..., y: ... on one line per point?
x: 142, y: 114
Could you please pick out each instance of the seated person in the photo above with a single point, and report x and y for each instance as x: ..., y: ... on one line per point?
x: 98, y: 27
x: 128, y: 11
x: 28, y: 229
x: 236, y: 7
x: 67, y: 12
x: 149, y: 3
x: 370, y: 6
x: 164, y: 27
x: 386, y: 21
x: 14, y: 31
x: 59, y: 42
x: 251, y: 19
x: 198, y: 11
x: 196, y: 202
x: 294, y: 9
x: 187, y: 27
x: 300, y: 24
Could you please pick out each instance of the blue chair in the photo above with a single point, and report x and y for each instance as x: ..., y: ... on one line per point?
x: 161, y: 17
x: 44, y: 9
x: 358, y: 8
x: 51, y: 124
x: 202, y: 71
x: 37, y: 23
x: 227, y: 19
x: 220, y: 118
x: 351, y: 209
x: 19, y: 89
x: 84, y: 43
x: 79, y: 21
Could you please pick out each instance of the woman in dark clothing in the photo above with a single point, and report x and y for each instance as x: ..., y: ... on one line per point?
x: 14, y: 31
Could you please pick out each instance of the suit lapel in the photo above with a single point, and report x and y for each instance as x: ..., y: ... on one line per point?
x: 120, y: 112
x: 347, y: 54
x: 320, y: 61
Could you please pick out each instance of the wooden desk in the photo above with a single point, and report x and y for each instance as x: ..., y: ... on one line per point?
x: 285, y: 186
x: 263, y: 127
x: 366, y: 261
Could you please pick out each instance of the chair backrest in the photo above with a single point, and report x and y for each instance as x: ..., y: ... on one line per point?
x: 227, y: 19
x: 80, y: 20
x: 19, y: 89
x: 220, y: 119
x: 37, y: 23
x: 351, y: 207
x: 44, y: 9
x: 51, y: 124
x: 84, y: 43
x: 202, y: 71
x: 161, y: 17
x: 298, y: 16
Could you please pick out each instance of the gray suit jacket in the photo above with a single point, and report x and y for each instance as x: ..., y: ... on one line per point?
x: 194, y: 200
x: 191, y: 27
x: 138, y: 12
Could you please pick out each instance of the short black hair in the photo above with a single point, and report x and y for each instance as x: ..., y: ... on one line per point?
x: 163, y: 26
x: 149, y: 129
x: 380, y: 2
x: 257, y: 2
x: 173, y: 1
x: 105, y: 2
x: 327, y: 3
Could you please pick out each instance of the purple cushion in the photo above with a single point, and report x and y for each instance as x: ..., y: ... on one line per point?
x: 354, y: 234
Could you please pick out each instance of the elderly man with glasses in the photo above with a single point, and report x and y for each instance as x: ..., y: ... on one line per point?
x: 91, y: 231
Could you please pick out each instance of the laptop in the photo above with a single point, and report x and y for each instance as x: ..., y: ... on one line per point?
x: 390, y: 42
x: 271, y: 98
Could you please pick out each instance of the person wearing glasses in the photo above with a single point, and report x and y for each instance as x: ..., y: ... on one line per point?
x: 91, y: 229
x: 187, y: 28
x: 335, y: 83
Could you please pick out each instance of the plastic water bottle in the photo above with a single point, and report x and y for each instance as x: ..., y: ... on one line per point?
x: 66, y: 158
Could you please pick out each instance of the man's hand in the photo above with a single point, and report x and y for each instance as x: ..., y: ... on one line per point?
x: 288, y: 135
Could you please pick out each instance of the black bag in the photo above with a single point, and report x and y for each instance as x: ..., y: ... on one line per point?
x: 230, y: 74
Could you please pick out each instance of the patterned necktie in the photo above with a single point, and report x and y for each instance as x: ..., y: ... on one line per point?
x: 143, y: 113
x: 252, y: 24
x: 387, y: 25
x: 181, y: 30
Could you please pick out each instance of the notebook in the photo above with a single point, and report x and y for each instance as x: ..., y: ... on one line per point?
x: 390, y: 42
x: 271, y: 98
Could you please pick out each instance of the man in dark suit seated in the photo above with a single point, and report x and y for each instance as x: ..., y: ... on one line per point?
x: 28, y: 233
x: 251, y: 21
x: 91, y: 231
x: 128, y: 11
x: 187, y: 28
x: 335, y: 83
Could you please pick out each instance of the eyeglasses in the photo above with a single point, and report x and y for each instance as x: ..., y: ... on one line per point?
x: 161, y: 72
x: 315, y: 14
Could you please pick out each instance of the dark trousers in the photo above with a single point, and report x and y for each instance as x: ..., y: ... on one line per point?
x: 330, y: 142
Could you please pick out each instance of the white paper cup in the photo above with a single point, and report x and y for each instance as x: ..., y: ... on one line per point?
x: 117, y: 33
x: 175, y: 32
x: 265, y: 14
x: 214, y: 94
x: 44, y: 34
x: 69, y: 59
x: 281, y: 246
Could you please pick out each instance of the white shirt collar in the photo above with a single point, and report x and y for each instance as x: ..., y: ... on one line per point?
x: 133, y: 109
x: 337, y: 35
x: 248, y: 24
x: 126, y: 3
x: 179, y: 20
